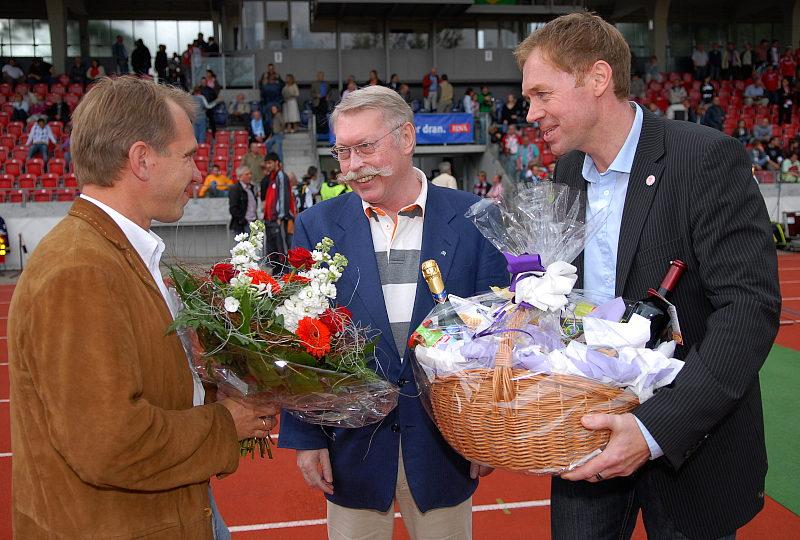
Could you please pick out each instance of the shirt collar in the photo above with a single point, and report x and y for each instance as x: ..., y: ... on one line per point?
x: 422, y: 198
x: 623, y: 163
x: 147, y: 244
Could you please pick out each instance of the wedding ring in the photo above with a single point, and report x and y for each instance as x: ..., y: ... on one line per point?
x: 599, y: 477
x: 264, y: 421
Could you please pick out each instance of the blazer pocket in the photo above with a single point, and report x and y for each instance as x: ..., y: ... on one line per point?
x: 660, y: 253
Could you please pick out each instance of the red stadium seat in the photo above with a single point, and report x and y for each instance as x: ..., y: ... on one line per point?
x: 57, y: 128
x: 8, y: 140
x: 221, y: 162
x: 6, y: 182
x: 34, y: 166
x: 5, y: 89
x: 241, y: 137
x: 13, y: 167
x: 239, y: 150
x: 20, y: 152
x: 42, y: 195
x: 56, y: 166
x: 15, y: 128
x: 76, y: 89
x: 5, y: 118
x: 203, y: 150
x: 49, y: 181
x: 71, y: 100
x: 4, y: 154
x: 63, y: 79
x: 202, y: 164
x: 16, y: 196
x: 59, y: 89
x: 66, y: 194
x: 26, y: 181
x: 547, y: 158
x: 70, y: 181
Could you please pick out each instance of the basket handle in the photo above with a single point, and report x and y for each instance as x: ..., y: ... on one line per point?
x: 502, y: 387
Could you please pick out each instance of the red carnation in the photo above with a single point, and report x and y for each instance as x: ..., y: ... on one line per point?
x: 260, y: 277
x: 294, y: 278
x: 300, y: 258
x: 224, y: 272
x: 336, y: 319
x: 315, y: 336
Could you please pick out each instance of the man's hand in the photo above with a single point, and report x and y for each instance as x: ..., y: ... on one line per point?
x: 627, y: 449
x: 316, y: 468
x: 476, y: 470
x: 251, y: 420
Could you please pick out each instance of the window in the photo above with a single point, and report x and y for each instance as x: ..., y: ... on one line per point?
x: 253, y: 25
x: 409, y: 36
x: 509, y: 34
x: 456, y: 38
x: 487, y: 35
x: 361, y: 36
x: 25, y: 38
x: 73, y: 38
x: 277, y: 24
x: 303, y: 37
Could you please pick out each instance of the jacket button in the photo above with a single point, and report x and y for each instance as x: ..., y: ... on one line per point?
x: 395, y: 428
x: 401, y: 382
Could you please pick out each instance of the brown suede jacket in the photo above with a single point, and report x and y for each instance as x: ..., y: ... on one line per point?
x: 105, y: 440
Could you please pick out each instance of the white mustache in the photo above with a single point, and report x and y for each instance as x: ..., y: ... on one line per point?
x: 354, y: 176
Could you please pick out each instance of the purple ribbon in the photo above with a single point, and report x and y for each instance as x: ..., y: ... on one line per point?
x: 517, y: 264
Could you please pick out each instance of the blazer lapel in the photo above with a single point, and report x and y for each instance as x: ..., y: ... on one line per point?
x: 573, y: 177
x: 362, y: 269
x: 640, y: 194
x: 439, y: 242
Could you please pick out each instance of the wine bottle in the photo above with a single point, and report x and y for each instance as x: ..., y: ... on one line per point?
x: 656, y: 307
x: 433, y: 277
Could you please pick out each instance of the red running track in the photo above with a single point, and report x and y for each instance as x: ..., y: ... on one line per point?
x: 269, y: 500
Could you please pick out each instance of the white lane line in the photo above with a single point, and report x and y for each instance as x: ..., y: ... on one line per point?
x: 3, y: 363
x: 313, y: 522
x: 5, y: 401
x: 5, y: 454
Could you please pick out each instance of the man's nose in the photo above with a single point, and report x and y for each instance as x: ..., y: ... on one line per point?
x: 534, y: 114
x: 356, y: 161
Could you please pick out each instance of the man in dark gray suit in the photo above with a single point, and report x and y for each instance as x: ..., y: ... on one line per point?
x: 693, y: 456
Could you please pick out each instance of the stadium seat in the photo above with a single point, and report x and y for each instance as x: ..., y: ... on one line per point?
x: 15, y: 128
x: 49, y: 181
x: 26, y: 181
x: 66, y: 194
x: 20, y: 153
x: 57, y: 128
x: 34, y: 166
x: 6, y: 182
x: 203, y: 149
x: 42, y: 195
x: 5, y: 89
x: 70, y: 181
x: 239, y: 150
x: 547, y: 158
x: 56, y: 166
x: 5, y: 118
x: 16, y: 196
x: 202, y: 164
x: 63, y: 79
x: 76, y: 89
x: 59, y: 89
x: 13, y: 167
x: 4, y: 154
x: 241, y: 137
x: 221, y: 162
x: 8, y: 140
x: 71, y: 100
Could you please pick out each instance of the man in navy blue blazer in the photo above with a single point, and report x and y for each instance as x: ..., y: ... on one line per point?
x: 392, y: 222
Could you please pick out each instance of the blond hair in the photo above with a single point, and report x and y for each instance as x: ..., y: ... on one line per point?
x: 114, y: 115
x: 574, y: 42
x: 380, y: 98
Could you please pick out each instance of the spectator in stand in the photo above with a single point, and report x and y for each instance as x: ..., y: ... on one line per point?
x: 319, y: 94
x: 291, y: 111
x: 202, y: 106
x: 527, y: 154
x: 120, y: 55
x: 482, y: 186
x: 774, y: 150
x: 444, y: 178
x: 373, y: 79
x: 731, y: 62
x: 790, y: 169
x: 652, y: 72
x: 637, y: 87
x: 12, y: 72
x: 308, y: 189
x: 39, y: 137
x: 242, y: 201
x: 495, y: 135
x: 212, y: 82
x: 446, y: 95
x: 40, y: 71
x: 759, y: 157
x: 350, y: 87
x: 430, y: 90
x: 653, y: 108
x: 707, y: 90
x: 175, y: 72
x: 140, y: 58
x: 19, y: 108
x: 405, y: 93
x: 496, y: 191
x: 788, y: 66
x: 331, y: 187
x: 785, y: 102
x: 271, y: 85
x: 276, y: 193
x: 677, y: 94
x: 754, y: 93
x: 65, y: 145
x: 274, y: 142
x: 257, y: 129
x: 162, y: 63
x: 741, y: 133
x: 216, y: 184
x: 772, y: 82
x: 747, y: 62
x: 201, y: 42
x: 678, y: 111
x: 212, y: 49
x: 77, y: 71
x: 509, y: 149
x: 253, y: 159
x: 239, y: 109
x: 394, y: 82
x: 511, y: 113
x: 761, y: 56
x: 763, y: 130
x: 700, y: 62
x: 715, y: 62
x: 95, y: 71
x: 466, y: 101
x: 775, y: 53
x: 486, y: 101
x: 714, y: 116
x: 58, y: 111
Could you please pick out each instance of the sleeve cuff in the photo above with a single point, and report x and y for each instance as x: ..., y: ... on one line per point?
x: 655, y: 449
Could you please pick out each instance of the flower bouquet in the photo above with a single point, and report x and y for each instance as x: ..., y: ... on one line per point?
x: 507, y: 375
x: 279, y: 339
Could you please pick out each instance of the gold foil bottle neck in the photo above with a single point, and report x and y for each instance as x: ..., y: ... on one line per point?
x: 433, y: 277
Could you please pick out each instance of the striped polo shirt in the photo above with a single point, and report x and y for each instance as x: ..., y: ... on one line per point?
x: 397, y: 251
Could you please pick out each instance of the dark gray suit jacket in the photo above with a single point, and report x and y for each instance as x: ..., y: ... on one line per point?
x: 706, y: 209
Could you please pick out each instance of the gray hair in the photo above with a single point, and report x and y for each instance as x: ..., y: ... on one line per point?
x: 241, y: 169
x: 380, y: 98
x: 444, y: 167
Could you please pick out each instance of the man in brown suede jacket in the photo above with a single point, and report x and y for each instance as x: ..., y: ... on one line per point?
x: 109, y: 432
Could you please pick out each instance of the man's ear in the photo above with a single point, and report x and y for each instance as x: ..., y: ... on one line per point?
x: 408, y: 136
x: 600, y: 78
x: 138, y: 156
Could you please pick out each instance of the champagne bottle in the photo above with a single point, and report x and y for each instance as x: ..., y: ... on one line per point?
x: 433, y: 277
x: 655, y: 305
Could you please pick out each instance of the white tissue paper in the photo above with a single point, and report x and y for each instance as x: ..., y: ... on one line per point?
x: 547, y: 291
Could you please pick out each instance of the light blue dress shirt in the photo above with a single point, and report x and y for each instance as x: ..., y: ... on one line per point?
x: 605, y: 201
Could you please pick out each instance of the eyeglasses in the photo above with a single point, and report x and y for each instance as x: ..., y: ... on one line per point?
x: 342, y: 153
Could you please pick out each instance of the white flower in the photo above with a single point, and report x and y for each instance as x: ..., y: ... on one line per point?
x: 241, y: 237
x: 231, y: 304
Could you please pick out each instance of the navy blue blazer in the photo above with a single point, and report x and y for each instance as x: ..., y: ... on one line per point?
x: 364, y: 460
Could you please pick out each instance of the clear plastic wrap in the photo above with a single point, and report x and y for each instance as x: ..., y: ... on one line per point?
x: 507, y: 376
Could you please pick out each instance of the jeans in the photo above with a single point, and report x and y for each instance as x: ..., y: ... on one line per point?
x: 38, y: 148
x: 430, y: 101
x: 221, y: 531
x: 275, y: 141
x: 608, y: 510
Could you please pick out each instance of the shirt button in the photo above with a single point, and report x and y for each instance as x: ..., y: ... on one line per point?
x: 606, y: 192
x: 395, y: 428
x: 401, y: 382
